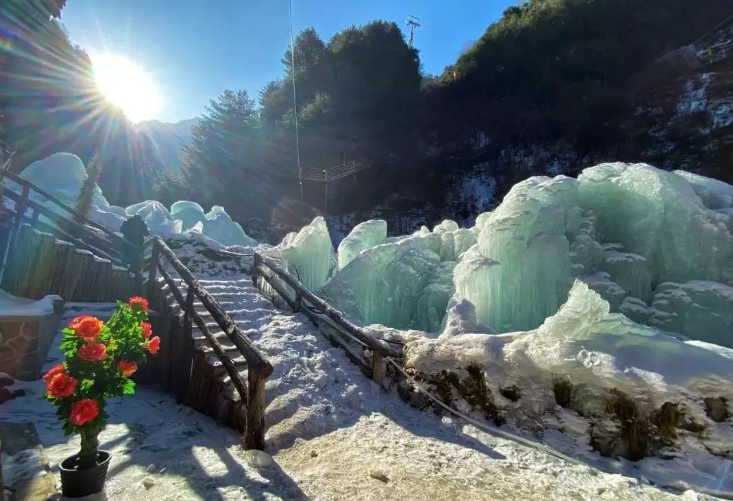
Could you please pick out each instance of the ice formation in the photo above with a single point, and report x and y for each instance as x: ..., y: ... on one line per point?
x: 364, y: 236
x: 62, y: 175
x: 220, y: 227
x: 308, y: 254
x: 405, y: 282
x: 584, y: 339
x: 189, y: 213
x: 656, y: 245
x: 156, y: 217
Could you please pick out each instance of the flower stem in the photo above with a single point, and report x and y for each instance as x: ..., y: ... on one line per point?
x: 89, y: 446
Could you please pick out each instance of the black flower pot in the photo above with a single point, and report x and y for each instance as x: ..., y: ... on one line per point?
x: 76, y: 482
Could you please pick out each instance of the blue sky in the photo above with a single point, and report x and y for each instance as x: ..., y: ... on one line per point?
x: 195, y: 49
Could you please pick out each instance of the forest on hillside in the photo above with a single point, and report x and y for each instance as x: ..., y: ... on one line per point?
x: 547, y: 71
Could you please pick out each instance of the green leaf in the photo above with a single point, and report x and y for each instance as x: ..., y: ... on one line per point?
x: 129, y: 388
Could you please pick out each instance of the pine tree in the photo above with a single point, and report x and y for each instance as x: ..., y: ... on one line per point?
x: 86, y: 195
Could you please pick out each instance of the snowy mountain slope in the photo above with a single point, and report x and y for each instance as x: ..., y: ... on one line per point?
x: 168, y: 139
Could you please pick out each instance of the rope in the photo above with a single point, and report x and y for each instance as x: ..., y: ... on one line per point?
x: 295, y: 98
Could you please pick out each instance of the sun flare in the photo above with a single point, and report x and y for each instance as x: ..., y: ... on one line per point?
x: 126, y: 85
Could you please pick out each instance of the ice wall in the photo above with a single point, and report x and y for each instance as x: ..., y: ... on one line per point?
x: 156, y: 217
x: 404, y: 282
x: 585, y: 340
x: 364, y: 236
x: 189, y: 213
x: 218, y: 225
x: 659, y: 216
x: 308, y: 254
x: 624, y: 230
x: 387, y: 283
x: 519, y: 272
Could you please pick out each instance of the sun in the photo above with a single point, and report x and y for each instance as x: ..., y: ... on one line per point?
x: 126, y: 85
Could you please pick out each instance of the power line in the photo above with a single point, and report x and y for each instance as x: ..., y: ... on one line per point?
x: 295, y: 97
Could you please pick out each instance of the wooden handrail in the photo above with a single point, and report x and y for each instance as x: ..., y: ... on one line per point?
x: 327, y: 309
x: 258, y: 368
x: 321, y: 312
x: 215, y: 345
x: 75, y: 215
x: 96, y: 245
x: 255, y: 359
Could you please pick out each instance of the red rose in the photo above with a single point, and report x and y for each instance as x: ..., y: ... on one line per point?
x: 83, y: 411
x: 92, y: 352
x: 87, y: 327
x: 138, y: 303
x: 147, y: 329
x: 58, y: 369
x: 61, y: 386
x: 127, y: 368
x: 153, y: 345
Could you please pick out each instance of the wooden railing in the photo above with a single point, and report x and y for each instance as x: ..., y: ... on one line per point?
x: 331, y: 173
x: 252, y: 391
x: 302, y: 300
x: 75, y: 228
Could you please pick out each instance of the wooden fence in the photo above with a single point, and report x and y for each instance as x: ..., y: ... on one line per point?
x: 186, y: 372
x: 40, y: 264
x: 36, y: 259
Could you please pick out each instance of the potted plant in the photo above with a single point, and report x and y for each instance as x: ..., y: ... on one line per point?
x: 100, y: 358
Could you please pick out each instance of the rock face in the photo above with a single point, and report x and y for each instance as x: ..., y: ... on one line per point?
x: 716, y: 409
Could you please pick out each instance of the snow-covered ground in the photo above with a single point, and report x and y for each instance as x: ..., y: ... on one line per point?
x: 333, y: 435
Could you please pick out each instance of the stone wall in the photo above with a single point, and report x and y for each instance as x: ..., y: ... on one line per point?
x: 25, y: 339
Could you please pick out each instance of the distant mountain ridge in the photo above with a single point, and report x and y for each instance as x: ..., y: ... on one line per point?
x: 168, y: 140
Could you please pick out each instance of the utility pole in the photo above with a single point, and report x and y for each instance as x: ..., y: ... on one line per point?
x: 414, y: 23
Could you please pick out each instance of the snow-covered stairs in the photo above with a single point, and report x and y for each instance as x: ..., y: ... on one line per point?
x: 311, y: 378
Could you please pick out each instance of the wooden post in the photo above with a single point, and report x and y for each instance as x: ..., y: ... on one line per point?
x: 254, y: 433
x: 187, y: 319
x: 20, y: 205
x: 34, y: 218
x: 377, y: 368
x: 153, y: 270
x: 257, y: 261
x: 296, y: 303
x: 187, y: 348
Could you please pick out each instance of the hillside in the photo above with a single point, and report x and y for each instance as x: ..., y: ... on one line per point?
x: 677, y: 114
x: 167, y: 140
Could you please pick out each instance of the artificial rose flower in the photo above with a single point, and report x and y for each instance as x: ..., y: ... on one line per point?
x: 87, y: 327
x: 138, y: 303
x: 127, y: 368
x: 83, y: 411
x: 92, y: 352
x: 61, y: 386
x: 153, y: 345
x: 57, y: 369
x: 147, y: 329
